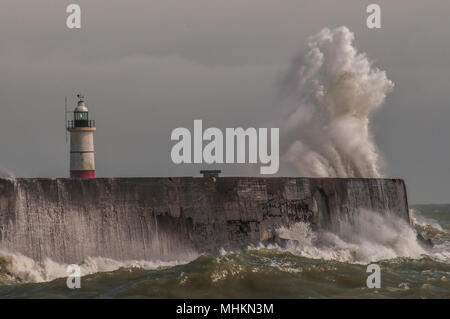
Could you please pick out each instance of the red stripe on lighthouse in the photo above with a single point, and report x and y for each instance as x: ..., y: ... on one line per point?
x: 82, y: 174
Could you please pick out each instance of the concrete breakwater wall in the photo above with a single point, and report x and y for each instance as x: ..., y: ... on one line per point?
x: 69, y: 220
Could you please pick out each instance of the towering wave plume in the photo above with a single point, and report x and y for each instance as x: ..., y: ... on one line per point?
x: 331, y: 90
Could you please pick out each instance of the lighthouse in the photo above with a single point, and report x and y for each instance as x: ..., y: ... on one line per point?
x: 81, y: 128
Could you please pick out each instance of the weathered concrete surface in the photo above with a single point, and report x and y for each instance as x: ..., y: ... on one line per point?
x: 171, y: 218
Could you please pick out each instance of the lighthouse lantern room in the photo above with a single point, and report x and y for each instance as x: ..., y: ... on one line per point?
x: 81, y: 128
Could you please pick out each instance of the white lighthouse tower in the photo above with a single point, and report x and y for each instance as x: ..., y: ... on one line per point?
x: 81, y: 128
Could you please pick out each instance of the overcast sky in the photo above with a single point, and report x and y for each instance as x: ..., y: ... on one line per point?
x: 147, y: 67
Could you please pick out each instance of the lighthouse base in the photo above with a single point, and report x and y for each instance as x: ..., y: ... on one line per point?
x: 82, y: 174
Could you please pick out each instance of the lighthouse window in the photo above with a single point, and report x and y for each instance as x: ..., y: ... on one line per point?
x: 80, y: 116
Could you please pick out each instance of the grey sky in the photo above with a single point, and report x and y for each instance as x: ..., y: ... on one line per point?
x: 148, y: 67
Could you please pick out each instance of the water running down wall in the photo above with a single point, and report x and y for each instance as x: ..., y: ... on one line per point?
x: 69, y: 220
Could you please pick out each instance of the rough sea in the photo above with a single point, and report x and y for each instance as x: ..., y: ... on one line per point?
x: 311, y: 265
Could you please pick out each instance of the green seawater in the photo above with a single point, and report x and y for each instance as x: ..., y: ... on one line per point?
x: 308, y: 270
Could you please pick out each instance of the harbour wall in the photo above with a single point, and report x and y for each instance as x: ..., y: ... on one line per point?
x: 69, y: 220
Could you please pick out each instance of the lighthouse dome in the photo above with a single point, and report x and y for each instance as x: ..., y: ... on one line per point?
x: 81, y: 107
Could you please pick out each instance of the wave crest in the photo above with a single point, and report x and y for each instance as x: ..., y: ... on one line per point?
x: 17, y: 268
x: 371, y: 236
